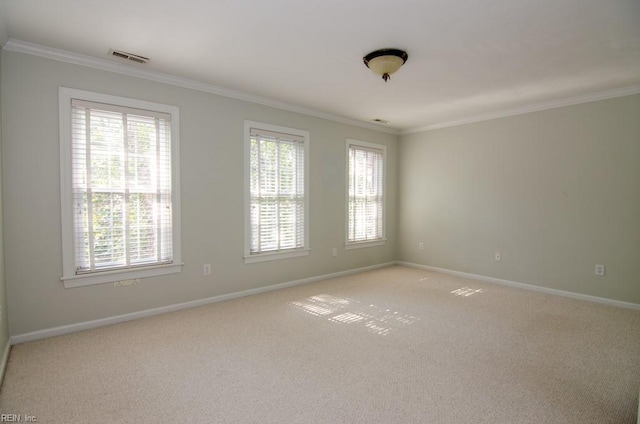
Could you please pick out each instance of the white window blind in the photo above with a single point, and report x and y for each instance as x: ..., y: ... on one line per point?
x: 121, y: 187
x: 276, y: 191
x: 365, y: 192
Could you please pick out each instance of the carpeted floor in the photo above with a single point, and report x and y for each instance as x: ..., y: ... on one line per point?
x: 395, y: 345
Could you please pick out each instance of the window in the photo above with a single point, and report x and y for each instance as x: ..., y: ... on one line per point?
x: 276, y: 215
x: 366, y: 169
x: 119, y: 180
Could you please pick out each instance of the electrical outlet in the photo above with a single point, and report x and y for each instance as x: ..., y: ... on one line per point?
x: 334, y: 252
x: 498, y: 256
x: 206, y: 269
x: 421, y: 246
x: 599, y: 269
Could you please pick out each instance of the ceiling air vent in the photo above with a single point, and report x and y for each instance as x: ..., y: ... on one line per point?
x: 128, y: 56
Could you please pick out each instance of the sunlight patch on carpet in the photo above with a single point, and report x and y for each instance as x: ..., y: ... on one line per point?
x: 466, y: 291
x: 347, y: 311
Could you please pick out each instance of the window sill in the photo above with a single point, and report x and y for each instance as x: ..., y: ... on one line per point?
x: 119, y: 275
x: 365, y: 244
x: 265, y: 257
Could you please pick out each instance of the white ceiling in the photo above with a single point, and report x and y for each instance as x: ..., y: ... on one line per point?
x: 467, y: 58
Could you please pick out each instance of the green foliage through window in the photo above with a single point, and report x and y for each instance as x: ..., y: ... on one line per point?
x: 121, y: 173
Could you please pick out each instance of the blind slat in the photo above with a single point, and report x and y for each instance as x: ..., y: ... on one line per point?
x: 121, y: 182
x: 366, y: 194
x: 277, y: 195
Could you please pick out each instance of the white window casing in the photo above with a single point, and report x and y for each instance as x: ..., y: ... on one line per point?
x: 366, y: 187
x: 276, y: 192
x: 120, y: 202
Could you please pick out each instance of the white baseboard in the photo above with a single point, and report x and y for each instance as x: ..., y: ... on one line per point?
x: 532, y: 287
x: 5, y: 358
x: 87, y: 325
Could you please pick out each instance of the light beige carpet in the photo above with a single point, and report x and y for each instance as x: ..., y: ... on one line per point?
x: 395, y: 345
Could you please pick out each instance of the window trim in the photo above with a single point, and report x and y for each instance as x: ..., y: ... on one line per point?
x: 283, y: 254
x: 349, y: 245
x: 69, y: 276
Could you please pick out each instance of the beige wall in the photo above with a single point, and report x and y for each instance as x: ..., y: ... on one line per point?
x: 4, y: 321
x: 212, y: 197
x: 556, y: 192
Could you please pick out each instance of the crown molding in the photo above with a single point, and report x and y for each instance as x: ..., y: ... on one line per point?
x: 535, y: 107
x: 19, y: 46
x: 129, y: 70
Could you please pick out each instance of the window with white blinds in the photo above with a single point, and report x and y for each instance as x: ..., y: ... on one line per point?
x: 119, y: 180
x: 277, y: 199
x: 366, y: 203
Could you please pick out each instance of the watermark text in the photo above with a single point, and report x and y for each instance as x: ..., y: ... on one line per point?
x: 18, y: 418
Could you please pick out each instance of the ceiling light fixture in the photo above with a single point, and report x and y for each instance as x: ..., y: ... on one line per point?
x: 385, y: 62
